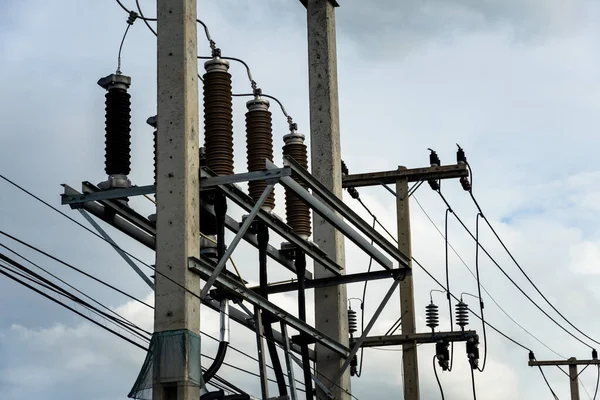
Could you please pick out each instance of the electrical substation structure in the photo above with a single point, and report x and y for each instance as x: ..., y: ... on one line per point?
x: 194, y: 186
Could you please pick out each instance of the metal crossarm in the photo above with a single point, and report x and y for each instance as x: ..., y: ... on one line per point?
x: 235, y: 287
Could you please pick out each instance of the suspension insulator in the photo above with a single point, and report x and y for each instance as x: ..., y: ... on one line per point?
x: 153, y: 122
x: 218, y: 117
x: 259, y: 142
x: 462, y: 314
x: 118, y: 129
x: 432, y: 316
x: 352, y: 321
x: 297, y: 212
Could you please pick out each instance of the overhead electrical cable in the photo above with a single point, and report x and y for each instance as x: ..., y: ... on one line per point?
x: 511, y: 279
x: 437, y: 378
x: 483, y: 287
x: 69, y: 285
x: 548, y: 383
x: 485, y: 342
x: 512, y: 257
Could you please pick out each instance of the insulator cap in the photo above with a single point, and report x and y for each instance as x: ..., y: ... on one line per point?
x: 594, y: 354
x: 462, y: 314
x: 432, y: 316
x: 115, y: 81
x: 531, y: 356
x: 218, y: 117
x: 259, y: 142
x: 216, y: 64
x: 434, y: 160
x: 297, y: 211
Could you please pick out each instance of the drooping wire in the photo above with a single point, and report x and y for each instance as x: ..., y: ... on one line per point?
x: 483, y: 287
x: 74, y: 268
x: 443, y: 287
x: 548, y: 383
x: 100, y: 236
x: 23, y: 283
x: 473, y: 383
x: 119, y: 248
x: 41, y: 279
x: 512, y: 280
x: 437, y: 378
x: 485, y: 342
x: 44, y: 283
x: 362, y: 307
x: 139, y: 8
x: 132, y: 17
x: 448, y: 210
x: 521, y: 269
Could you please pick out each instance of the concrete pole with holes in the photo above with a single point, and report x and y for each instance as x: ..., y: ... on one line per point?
x: 407, y: 297
x: 574, y: 378
x: 331, y: 316
x: 178, y: 187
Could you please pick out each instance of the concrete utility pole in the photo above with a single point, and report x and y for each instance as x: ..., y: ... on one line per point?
x: 330, y: 303
x: 407, y: 297
x: 572, y: 363
x: 178, y: 188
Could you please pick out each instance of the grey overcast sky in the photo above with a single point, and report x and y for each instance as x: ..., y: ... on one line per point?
x: 515, y: 82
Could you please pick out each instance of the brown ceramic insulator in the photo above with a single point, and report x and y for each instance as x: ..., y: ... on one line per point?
x: 297, y: 211
x: 218, y: 122
x: 259, y: 142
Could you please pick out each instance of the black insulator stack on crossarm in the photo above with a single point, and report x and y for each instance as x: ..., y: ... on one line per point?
x: 218, y: 117
x: 259, y: 142
x: 462, y: 314
x: 118, y: 130
x: 432, y: 317
x: 297, y: 211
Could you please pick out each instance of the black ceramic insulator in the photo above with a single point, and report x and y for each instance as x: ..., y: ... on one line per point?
x: 218, y: 122
x: 352, y: 321
x: 118, y: 132
x: 297, y: 212
x: 432, y: 318
x: 259, y: 144
x: 462, y: 314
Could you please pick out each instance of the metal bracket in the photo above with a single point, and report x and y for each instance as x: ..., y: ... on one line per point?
x: 235, y: 287
x: 279, y: 227
x: 338, y: 205
x: 331, y: 217
x: 213, y: 181
x: 236, y: 240
x: 107, y: 194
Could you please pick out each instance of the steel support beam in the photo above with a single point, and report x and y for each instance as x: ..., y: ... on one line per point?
x: 367, y: 329
x: 278, y: 226
x: 213, y: 181
x: 117, y: 221
x: 204, y: 270
x: 410, y: 174
x: 123, y: 210
x: 339, y: 206
x: 107, y: 194
x: 336, y: 280
x: 394, y: 340
x: 124, y: 256
x: 281, y: 258
x: 236, y: 240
